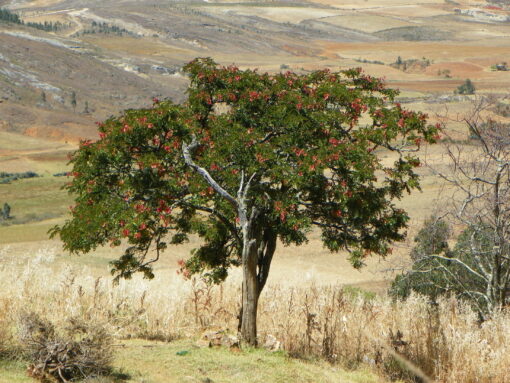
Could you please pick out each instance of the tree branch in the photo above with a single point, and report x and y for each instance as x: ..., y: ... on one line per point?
x: 456, y: 260
x: 186, y: 151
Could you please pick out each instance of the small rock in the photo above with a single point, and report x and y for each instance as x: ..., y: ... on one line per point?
x: 229, y: 341
x: 272, y: 344
x: 217, y: 339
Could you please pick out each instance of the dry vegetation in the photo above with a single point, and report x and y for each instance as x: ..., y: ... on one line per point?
x: 344, y: 326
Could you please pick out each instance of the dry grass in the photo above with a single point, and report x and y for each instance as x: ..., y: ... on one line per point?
x: 278, y: 14
x: 348, y: 328
x: 366, y: 23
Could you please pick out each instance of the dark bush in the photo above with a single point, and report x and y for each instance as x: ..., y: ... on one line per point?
x: 438, y: 270
x: 6, y: 178
x: 466, y: 88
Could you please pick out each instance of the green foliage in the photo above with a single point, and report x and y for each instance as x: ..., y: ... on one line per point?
x: 49, y: 26
x: 105, y: 28
x: 446, y: 73
x: 426, y: 276
x: 296, y: 139
x: 6, y: 211
x: 431, y: 239
x: 11, y: 17
x: 501, y: 67
x: 355, y: 293
x: 6, y: 178
x: 466, y: 88
x: 437, y: 270
x: 365, y: 61
x: 502, y: 109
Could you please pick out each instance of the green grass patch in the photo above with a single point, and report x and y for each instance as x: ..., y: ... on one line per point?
x: 141, y: 361
x: 355, y: 293
x: 25, y: 233
x: 153, y: 362
x: 32, y: 200
x: 13, y: 372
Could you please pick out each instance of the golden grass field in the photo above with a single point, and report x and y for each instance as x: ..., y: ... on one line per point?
x: 351, y: 329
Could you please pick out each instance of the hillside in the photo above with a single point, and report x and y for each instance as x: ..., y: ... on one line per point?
x: 115, y: 55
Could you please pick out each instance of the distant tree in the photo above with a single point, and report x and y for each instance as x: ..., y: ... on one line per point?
x: 431, y: 239
x: 73, y: 100
x: 6, y: 211
x: 478, y: 268
x: 43, y: 97
x: 466, y: 88
x: 399, y: 61
x: 6, y: 15
x: 439, y: 270
x: 425, y: 275
x: 249, y: 160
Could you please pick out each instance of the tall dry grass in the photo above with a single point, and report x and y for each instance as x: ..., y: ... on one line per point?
x: 444, y: 341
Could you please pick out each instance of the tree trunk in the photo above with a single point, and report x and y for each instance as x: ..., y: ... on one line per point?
x: 258, y: 252
x: 251, y: 294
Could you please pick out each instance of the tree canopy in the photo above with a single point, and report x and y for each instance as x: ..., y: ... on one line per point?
x: 247, y: 160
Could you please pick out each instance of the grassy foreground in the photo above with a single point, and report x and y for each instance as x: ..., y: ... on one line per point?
x: 142, y: 361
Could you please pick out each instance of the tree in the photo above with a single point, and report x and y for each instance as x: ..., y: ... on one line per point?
x: 433, y: 273
x: 43, y: 97
x: 6, y: 211
x: 431, y: 239
x: 441, y: 271
x: 73, y: 100
x: 481, y: 178
x: 247, y: 160
x: 478, y: 268
x: 466, y: 88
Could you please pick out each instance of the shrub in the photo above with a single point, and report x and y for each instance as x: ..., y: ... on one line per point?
x: 6, y: 178
x: 431, y: 239
x: 80, y: 350
x: 466, y: 88
x: 6, y: 211
x: 437, y: 270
